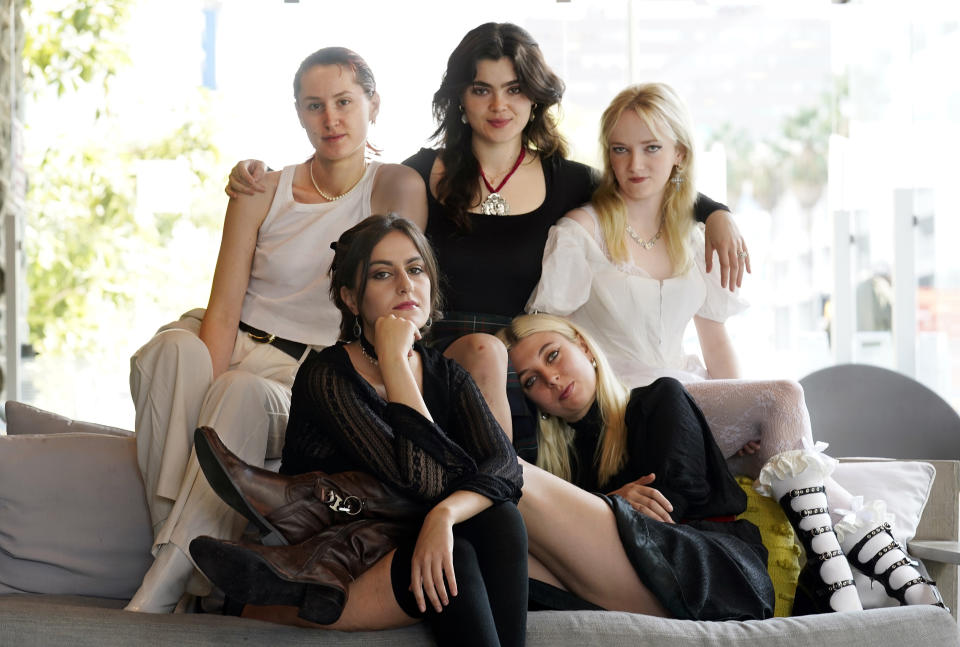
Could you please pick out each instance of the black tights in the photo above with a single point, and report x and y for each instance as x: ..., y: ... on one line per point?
x: 490, y: 562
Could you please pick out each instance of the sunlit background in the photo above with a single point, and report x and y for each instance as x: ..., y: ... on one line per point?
x: 831, y: 130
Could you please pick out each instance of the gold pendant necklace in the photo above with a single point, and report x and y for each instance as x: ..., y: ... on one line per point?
x: 334, y: 198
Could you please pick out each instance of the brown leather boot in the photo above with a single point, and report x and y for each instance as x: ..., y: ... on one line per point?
x: 313, y: 576
x: 290, y: 509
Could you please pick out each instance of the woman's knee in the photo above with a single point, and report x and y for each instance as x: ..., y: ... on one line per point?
x: 173, y: 344
x: 790, y: 393
x: 498, y: 529
x: 480, y: 353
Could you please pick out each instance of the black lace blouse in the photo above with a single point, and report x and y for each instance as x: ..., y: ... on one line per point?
x: 338, y: 422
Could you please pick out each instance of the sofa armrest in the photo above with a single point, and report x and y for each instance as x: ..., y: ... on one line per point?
x: 937, y: 540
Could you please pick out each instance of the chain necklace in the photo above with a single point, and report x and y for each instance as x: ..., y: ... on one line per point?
x: 368, y: 351
x: 334, y: 198
x: 494, y: 204
x: 646, y: 244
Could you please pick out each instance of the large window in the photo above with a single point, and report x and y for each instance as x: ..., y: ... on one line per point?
x: 830, y: 129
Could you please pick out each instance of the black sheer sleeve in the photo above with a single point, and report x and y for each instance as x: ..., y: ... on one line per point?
x: 704, y: 206
x: 499, y: 476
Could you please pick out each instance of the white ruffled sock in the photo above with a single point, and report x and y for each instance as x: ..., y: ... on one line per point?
x: 798, y: 470
x: 868, y: 518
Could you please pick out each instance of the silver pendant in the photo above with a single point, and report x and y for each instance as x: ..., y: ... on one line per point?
x: 495, y: 205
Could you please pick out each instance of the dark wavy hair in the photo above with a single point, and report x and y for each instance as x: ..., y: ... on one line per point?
x: 344, y: 58
x: 460, y: 184
x: 351, y: 262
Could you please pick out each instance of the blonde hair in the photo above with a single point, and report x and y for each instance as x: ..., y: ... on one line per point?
x: 665, y: 115
x: 555, y: 437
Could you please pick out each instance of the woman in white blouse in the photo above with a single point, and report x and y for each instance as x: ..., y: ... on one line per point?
x: 629, y: 267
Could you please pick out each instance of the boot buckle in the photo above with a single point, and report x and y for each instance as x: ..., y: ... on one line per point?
x: 350, y: 504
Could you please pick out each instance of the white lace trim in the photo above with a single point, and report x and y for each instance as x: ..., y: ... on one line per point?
x: 791, y: 464
x: 860, y: 518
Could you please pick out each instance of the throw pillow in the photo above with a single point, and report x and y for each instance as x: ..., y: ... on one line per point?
x: 783, y: 559
x: 905, y: 487
x: 73, y: 518
x: 25, y: 419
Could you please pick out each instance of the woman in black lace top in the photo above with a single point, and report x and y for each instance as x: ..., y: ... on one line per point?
x: 385, y: 405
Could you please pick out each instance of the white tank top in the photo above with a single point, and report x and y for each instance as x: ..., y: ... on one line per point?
x: 289, y: 290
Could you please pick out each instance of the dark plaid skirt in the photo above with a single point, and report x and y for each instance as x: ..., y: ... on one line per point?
x: 455, y: 325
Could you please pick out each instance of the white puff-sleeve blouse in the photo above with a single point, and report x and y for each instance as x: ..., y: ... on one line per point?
x: 638, y: 321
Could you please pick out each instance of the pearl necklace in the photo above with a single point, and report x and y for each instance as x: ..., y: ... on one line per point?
x: 646, y: 244
x: 334, y: 198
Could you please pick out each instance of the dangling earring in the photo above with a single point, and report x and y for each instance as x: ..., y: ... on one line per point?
x: 429, y: 322
x: 533, y: 114
x: 543, y: 416
x: 357, y: 330
x: 677, y: 178
x: 593, y: 362
x: 463, y: 116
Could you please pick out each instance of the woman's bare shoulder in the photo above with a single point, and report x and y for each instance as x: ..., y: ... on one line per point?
x: 584, y: 218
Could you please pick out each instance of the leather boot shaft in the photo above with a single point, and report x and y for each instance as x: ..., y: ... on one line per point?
x: 291, y: 509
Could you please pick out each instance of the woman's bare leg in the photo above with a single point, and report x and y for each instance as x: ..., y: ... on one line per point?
x: 371, y: 605
x: 537, y: 571
x: 573, y: 535
x: 485, y: 358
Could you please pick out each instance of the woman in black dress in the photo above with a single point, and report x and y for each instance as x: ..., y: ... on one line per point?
x: 673, y: 500
x: 384, y: 405
x: 497, y: 183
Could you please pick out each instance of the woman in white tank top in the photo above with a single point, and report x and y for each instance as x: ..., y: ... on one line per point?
x: 231, y: 366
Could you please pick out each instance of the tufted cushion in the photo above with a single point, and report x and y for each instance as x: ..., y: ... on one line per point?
x: 783, y: 561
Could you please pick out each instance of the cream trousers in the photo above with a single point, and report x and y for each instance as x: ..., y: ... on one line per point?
x: 171, y: 381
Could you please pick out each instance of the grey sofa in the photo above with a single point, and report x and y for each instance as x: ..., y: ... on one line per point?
x: 104, y: 458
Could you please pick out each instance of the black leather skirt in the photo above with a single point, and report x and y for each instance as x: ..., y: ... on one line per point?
x: 701, y: 570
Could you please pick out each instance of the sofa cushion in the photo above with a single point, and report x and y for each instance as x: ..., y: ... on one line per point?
x: 24, y: 419
x: 73, y: 519
x: 33, y: 620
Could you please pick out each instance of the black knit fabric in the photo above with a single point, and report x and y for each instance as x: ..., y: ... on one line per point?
x: 338, y: 422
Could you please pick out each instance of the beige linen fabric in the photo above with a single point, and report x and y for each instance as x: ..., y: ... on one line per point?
x: 171, y: 381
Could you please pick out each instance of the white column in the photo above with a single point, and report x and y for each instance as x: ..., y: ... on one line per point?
x: 904, y: 282
x: 843, y: 301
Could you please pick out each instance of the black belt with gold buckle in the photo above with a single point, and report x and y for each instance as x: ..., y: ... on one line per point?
x: 292, y: 348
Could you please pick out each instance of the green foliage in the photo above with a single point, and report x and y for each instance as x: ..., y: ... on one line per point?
x: 89, y: 257
x: 87, y: 252
x: 70, y: 43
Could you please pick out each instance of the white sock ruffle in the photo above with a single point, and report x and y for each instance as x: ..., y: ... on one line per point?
x: 792, y: 469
